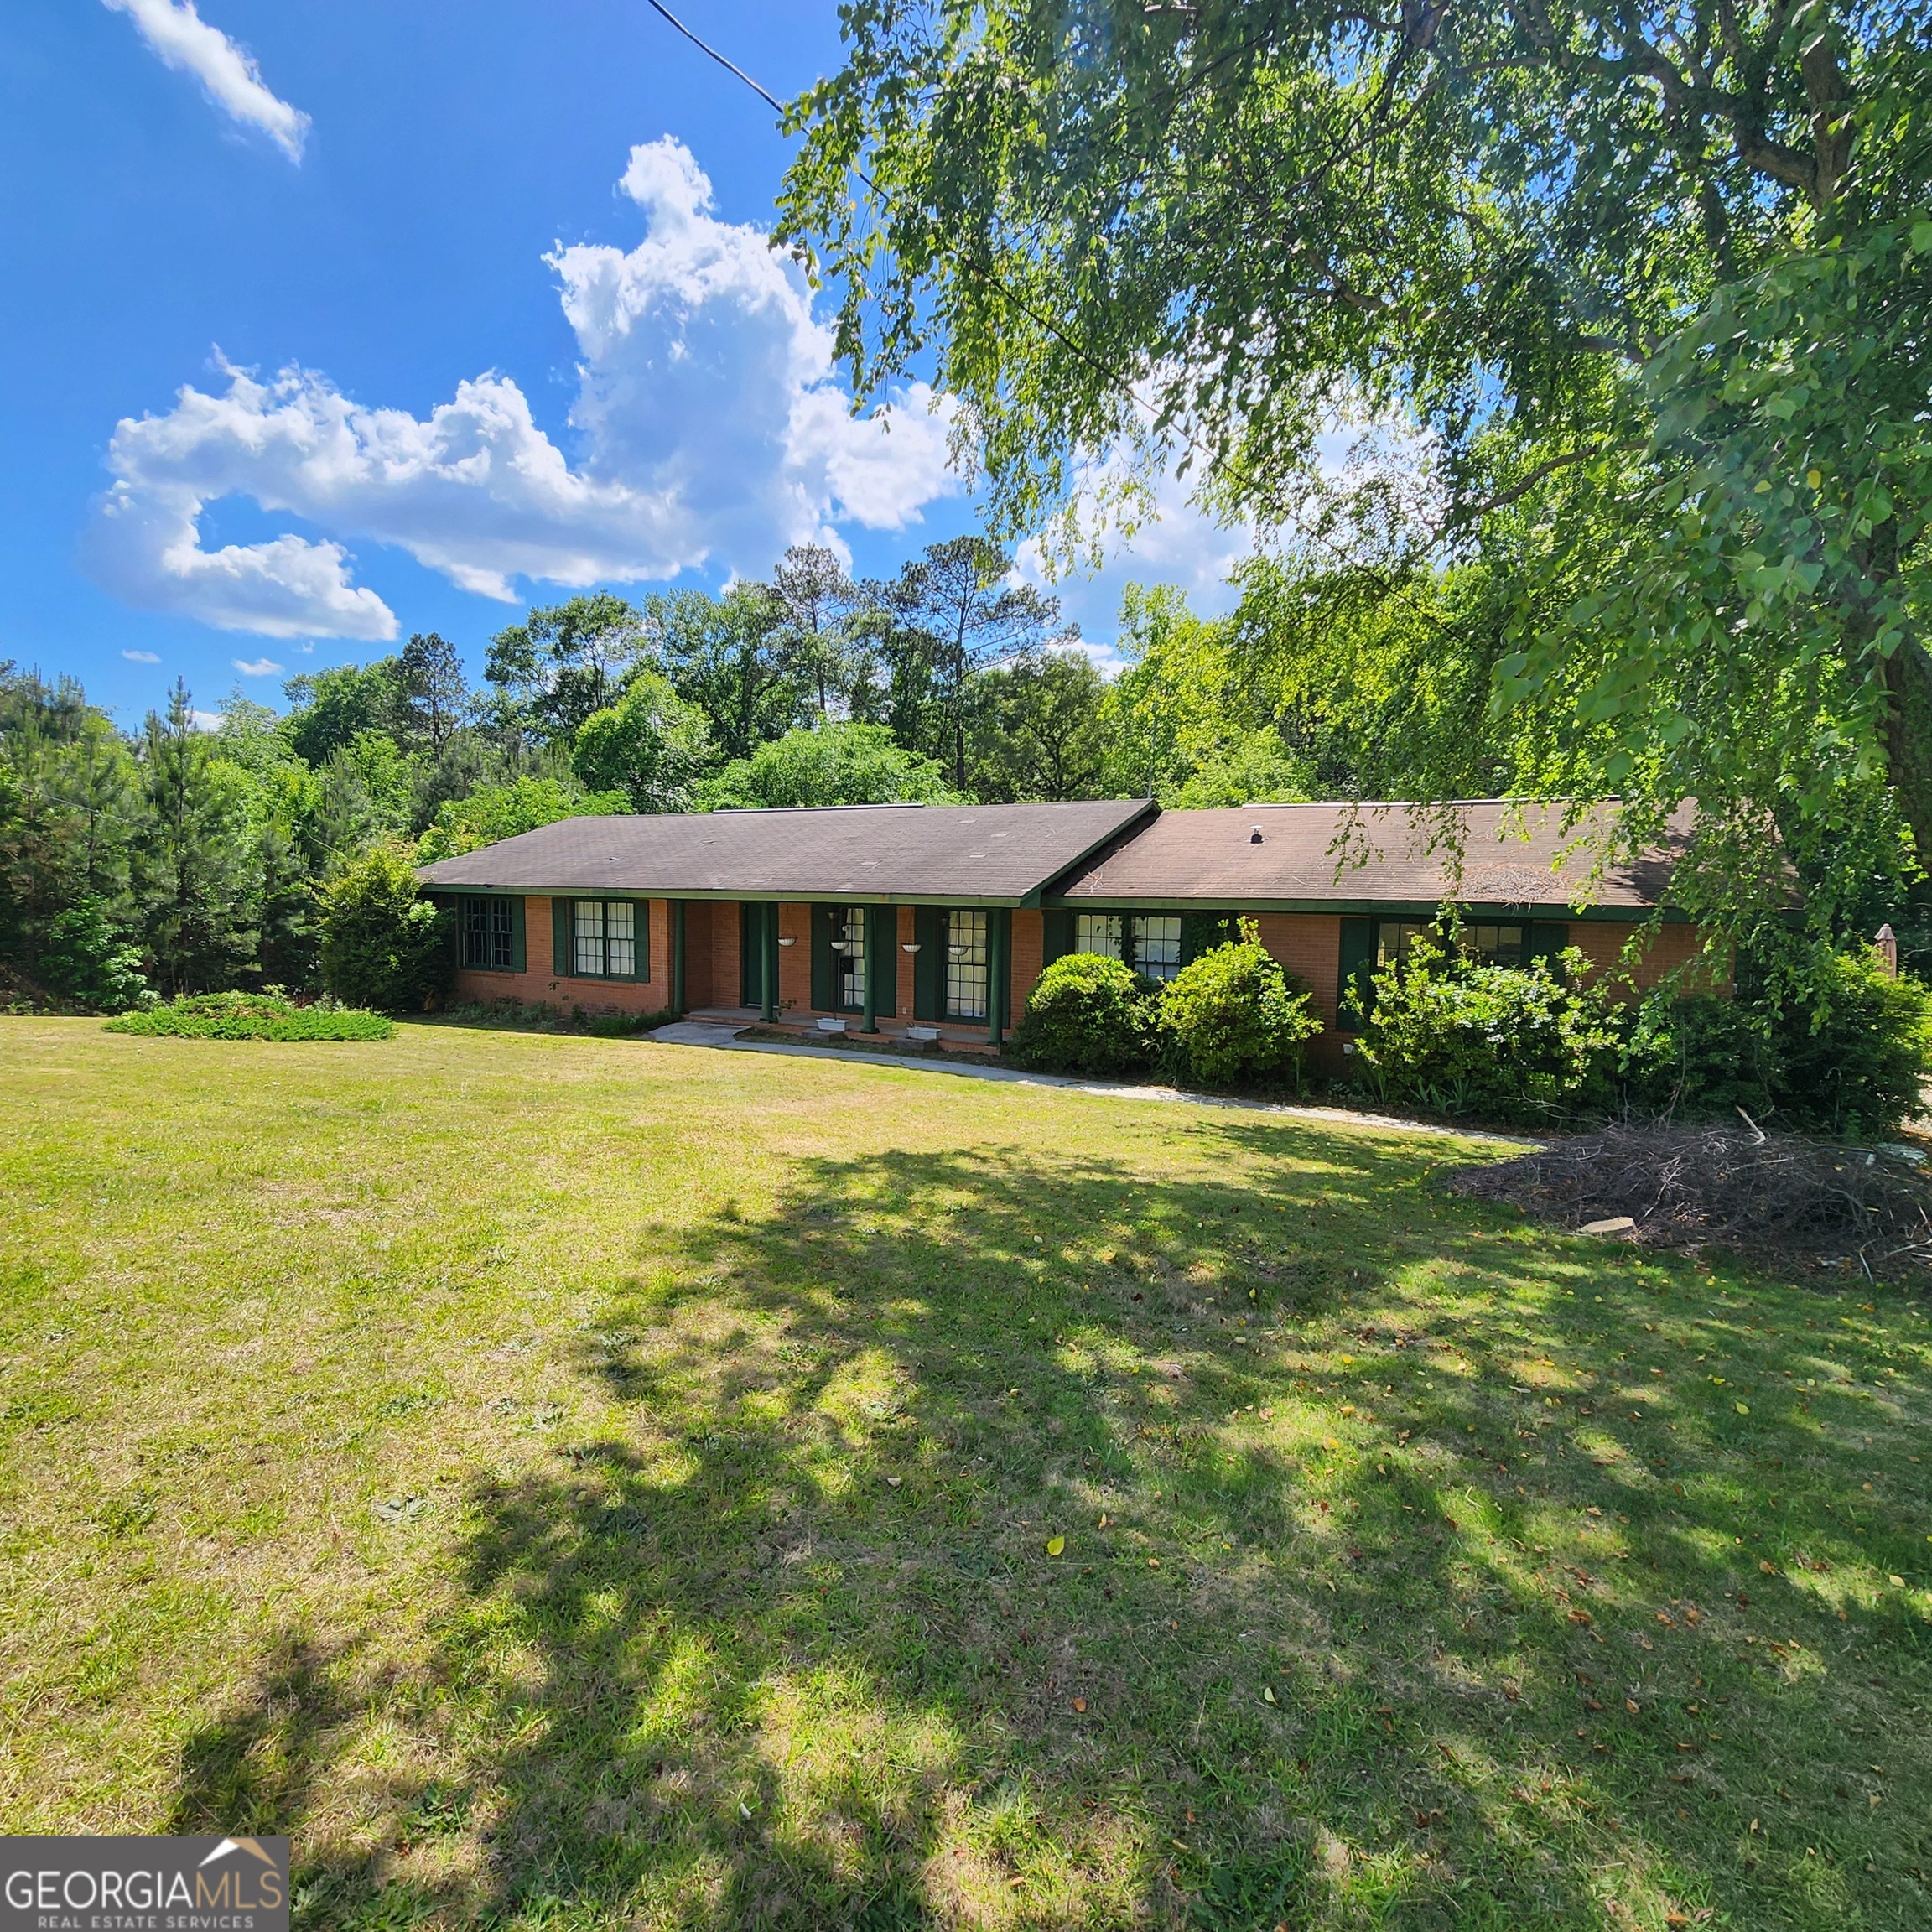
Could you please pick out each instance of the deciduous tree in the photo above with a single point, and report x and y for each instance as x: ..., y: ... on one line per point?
x: 1655, y: 282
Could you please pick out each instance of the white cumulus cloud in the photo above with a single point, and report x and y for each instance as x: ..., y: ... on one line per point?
x: 142, y: 656
x: 185, y: 40
x: 708, y: 425
x: 257, y: 666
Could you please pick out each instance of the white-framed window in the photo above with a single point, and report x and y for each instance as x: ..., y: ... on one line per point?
x: 1097, y: 932
x: 603, y: 939
x: 489, y: 934
x: 1394, y: 937
x: 966, y: 976
x: 620, y: 939
x: 1157, y: 945
x: 1495, y: 945
x: 851, y: 959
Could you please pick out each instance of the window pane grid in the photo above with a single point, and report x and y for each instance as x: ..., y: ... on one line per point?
x: 1097, y: 932
x: 1494, y: 945
x: 966, y: 965
x: 852, y: 960
x: 488, y: 934
x: 588, y: 916
x: 1157, y: 946
x: 1394, y: 937
x: 621, y: 940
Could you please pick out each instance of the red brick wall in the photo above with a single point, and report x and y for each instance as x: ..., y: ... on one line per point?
x: 727, y: 959
x: 795, y: 961
x: 1309, y: 945
x: 908, y: 933
x: 1602, y: 941
x: 1028, y: 952
x: 538, y: 984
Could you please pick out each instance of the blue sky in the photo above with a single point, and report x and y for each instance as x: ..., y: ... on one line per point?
x: 324, y: 324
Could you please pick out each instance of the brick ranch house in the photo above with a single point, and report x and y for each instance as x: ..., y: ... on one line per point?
x: 934, y: 921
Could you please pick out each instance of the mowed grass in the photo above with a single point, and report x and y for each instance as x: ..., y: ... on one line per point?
x: 576, y: 1483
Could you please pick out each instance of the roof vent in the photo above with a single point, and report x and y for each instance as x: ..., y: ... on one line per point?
x: 1253, y: 834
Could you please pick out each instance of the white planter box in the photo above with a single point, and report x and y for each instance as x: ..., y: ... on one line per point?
x: 927, y: 1033
x: 828, y: 1024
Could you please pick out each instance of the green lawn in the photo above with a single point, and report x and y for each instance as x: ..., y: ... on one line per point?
x: 577, y: 1484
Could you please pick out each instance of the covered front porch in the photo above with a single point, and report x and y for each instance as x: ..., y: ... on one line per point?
x: 925, y: 974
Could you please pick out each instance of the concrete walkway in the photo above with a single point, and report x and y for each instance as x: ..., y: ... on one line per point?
x: 719, y: 1034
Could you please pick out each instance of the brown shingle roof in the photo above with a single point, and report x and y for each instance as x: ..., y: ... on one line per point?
x: 1307, y: 860
x: 946, y: 855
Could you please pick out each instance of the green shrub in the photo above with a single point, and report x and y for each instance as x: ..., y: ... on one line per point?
x: 1233, y: 1017
x: 86, y: 961
x: 252, y: 1016
x: 1534, y: 1044
x: 627, y: 1026
x: 383, y: 944
x: 1087, y: 1014
x: 1853, y: 1059
x: 1850, y: 1059
x: 1696, y: 1056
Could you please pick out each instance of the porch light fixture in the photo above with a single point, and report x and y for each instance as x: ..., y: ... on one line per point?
x: 839, y: 945
x: 909, y: 945
x: 788, y: 939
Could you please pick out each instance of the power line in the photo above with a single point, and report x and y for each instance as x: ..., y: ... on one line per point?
x: 705, y: 48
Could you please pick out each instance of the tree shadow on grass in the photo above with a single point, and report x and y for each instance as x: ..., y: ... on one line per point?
x: 1377, y: 1628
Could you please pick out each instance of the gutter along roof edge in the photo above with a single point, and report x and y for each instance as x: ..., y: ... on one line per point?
x: 641, y: 893
x: 1373, y: 908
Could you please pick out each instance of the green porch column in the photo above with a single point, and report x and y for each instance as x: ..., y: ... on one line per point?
x: 999, y: 945
x: 871, y: 976
x: 769, y: 976
x: 678, y: 958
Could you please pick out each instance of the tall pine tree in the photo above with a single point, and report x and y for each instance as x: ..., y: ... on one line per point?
x: 197, y: 872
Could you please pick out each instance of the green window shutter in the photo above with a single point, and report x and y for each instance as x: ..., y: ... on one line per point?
x: 642, y: 916
x: 1057, y: 941
x: 519, y: 956
x: 1357, y: 963
x: 824, y: 979
x: 1544, y: 940
x: 560, y: 937
x: 454, y: 911
x: 929, y: 963
x: 999, y: 980
x: 751, y: 960
x: 1201, y: 933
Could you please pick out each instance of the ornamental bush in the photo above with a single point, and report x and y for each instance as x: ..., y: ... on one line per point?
x: 1848, y: 1058
x: 1087, y: 1014
x: 1533, y: 1044
x: 1233, y: 1017
x: 268, y: 1015
x: 1697, y: 1056
x: 1854, y: 1058
x: 383, y: 944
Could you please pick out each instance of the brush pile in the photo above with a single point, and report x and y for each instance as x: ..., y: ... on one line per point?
x: 1777, y: 1198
